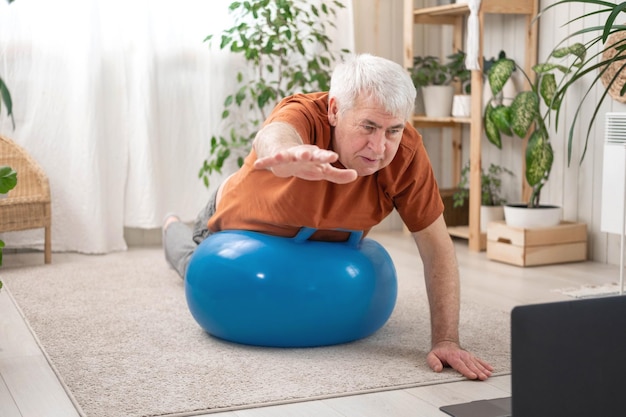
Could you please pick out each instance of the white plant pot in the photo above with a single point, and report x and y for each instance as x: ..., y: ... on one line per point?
x: 438, y: 100
x: 490, y: 214
x: 519, y: 215
x: 3, y: 196
x: 462, y: 105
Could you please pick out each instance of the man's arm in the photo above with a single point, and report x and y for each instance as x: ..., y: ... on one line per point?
x: 442, y: 285
x: 274, y: 138
x: 280, y: 149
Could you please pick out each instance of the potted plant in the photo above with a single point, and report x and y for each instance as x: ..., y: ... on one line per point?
x: 461, y: 103
x: 539, y: 154
x: 435, y: 78
x: 287, y: 50
x: 491, y: 198
x: 526, y: 116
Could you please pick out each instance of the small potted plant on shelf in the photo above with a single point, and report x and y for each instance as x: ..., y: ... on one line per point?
x: 435, y: 78
x: 491, y: 197
x: 461, y: 103
x: 526, y: 116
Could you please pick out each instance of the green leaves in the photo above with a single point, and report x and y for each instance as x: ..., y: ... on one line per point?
x: 577, y: 49
x: 491, y: 127
x: 500, y: 73
x: 221, y: 150
x: 429, y: 71
x: 491, y: 186
x: 524, y: 111
x: 286, y: 49
x: 594, y: 37
x: 8, y: 179
x: 539, y: 158
x: 502, y: 119
x: 514, y: 119
x: 5, y: 97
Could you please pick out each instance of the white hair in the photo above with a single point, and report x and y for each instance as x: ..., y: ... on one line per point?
x: 385, y: 81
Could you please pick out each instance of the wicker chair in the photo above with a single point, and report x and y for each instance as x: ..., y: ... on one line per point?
x: 27, y: 206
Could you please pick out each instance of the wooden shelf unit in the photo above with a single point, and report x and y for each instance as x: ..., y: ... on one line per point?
x: 455, y: 15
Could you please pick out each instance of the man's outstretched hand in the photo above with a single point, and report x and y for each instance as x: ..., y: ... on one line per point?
x: 307, y: 162
x: 451, y: 354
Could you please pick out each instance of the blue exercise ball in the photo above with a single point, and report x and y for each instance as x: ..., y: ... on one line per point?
x: 257, y: 289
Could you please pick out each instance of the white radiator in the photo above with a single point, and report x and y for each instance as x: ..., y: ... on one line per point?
x: 614, y: 174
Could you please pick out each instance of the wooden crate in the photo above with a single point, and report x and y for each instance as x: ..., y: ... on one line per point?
x: 566, y: 242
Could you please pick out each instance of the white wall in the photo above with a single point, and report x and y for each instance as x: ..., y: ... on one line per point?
x: 577, y: 188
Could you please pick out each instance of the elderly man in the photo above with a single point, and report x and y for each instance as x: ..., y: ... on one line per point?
x: 344, y: 160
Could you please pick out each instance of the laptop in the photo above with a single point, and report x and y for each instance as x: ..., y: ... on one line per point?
x: 568, y: 358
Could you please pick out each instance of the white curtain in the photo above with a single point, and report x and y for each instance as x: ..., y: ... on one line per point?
x: 117, y: 100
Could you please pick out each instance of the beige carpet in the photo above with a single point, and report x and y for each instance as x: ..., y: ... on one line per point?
x: 117, y: 330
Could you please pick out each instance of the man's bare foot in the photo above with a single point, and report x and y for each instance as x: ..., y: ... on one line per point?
x: 169, y: 219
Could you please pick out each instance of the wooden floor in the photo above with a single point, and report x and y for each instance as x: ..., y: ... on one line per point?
x: 29, y: 387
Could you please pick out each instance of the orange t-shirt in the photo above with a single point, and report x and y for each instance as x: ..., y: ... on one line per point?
x: 258, y: 200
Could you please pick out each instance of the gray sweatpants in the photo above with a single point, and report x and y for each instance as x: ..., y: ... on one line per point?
x: 180, y: 241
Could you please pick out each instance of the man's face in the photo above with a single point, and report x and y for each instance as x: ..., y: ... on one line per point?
x: 366, y: 137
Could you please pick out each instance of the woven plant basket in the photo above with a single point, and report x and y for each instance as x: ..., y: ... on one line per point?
x: 614, y: 90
